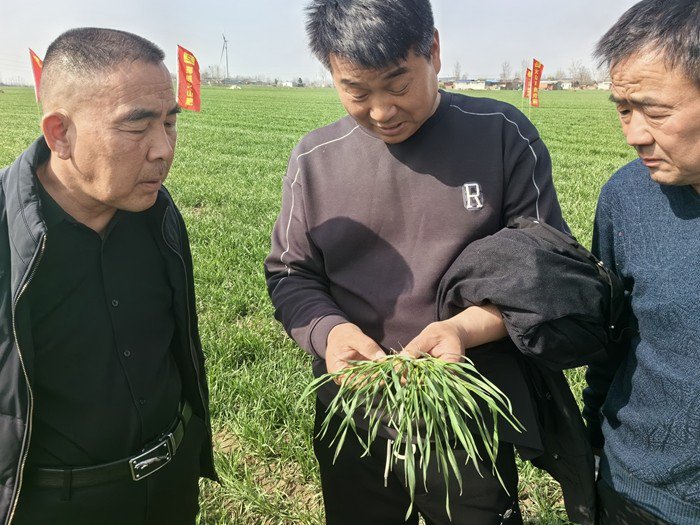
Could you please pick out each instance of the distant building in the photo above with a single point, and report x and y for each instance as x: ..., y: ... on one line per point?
x: 462, y: 85
x: 550, y: 85
x: 556, y: 85
x: 513, y: 85
x: 606, y: 84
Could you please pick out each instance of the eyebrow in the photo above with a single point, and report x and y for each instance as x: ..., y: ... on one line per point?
x: 143, y: 114
x: 395, y: 73
x: 644, y: 102
x: 386, y: 76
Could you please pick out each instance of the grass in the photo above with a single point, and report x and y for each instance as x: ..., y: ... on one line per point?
x: 430, y: 404
x: 227, y: 180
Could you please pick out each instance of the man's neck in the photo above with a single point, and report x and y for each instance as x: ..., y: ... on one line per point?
x: 94, y: 216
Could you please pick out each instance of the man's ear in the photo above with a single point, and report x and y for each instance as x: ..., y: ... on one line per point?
x: 435, y: 52
x: 55, y: 127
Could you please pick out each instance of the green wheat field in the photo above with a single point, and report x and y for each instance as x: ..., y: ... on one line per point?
x: 226, y: 180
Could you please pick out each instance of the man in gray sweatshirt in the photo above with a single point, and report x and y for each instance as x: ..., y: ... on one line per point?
x: 375, y: 207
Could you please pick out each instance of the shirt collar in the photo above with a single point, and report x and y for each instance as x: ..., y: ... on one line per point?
x: 53, y: 213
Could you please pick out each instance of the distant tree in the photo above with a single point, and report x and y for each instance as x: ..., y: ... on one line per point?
x: 457, y: 72
x: 212, y: 72
x: 560, y: 74
x: 602, y: 74
x: 580, y: 74
x: 506, y: 71
x: 524, y: 66
x: 323, y: 79
x: 299, y: 83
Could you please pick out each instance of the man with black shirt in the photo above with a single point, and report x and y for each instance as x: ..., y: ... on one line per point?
x: 103, y: 397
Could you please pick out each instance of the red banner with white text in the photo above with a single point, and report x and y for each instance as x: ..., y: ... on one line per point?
x: 188, y: 80
x: 537, y: 68
x: 37, y: 66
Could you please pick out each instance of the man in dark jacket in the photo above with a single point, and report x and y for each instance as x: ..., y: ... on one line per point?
x: 103, y: 397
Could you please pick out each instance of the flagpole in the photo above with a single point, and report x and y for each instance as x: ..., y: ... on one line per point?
x: 37, y: 66
x: 532, y: 85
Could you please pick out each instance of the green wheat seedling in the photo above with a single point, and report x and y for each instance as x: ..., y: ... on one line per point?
x: 428, y: 403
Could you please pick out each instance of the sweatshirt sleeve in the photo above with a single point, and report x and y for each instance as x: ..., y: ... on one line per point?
x: 529, y: 189
x: 294, y: 271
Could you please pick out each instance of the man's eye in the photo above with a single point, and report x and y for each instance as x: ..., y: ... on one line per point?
x: 657, y: 116
x: 400, y: 90
x: 358, y: 97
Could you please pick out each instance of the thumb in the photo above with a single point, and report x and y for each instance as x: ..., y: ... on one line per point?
x: 370, y: 350
x: 416, y: 347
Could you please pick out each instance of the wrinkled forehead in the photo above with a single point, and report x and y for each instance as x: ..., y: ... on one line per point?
x: 648, y: 61
x: 141, y: 77
x: 126, y: 81
x: 348, y: 71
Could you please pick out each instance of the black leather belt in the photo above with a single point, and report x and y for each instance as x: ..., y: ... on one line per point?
x: 138, y: 467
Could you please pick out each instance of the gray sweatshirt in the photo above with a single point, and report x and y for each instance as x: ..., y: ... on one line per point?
x: 367, y: 229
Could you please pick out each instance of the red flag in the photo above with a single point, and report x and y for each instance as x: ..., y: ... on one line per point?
x: 537, y: 68
x: 527, y: 83
x: 188, y: 81
x: 37, y: 65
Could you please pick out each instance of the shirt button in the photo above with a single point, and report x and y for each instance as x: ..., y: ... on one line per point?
x: 115, y: 303
x: 142, y: 401
x: 127, y: 353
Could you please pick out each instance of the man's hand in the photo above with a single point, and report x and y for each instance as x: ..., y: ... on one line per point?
x: 346, y: 342
x: 447, y: 340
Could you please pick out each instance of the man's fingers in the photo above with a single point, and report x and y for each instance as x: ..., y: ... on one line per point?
x: 338, y: 360
x: 370, y: 350
x: 420, y: 345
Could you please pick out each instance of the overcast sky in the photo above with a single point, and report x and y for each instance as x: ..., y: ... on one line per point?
x: 266, y: 37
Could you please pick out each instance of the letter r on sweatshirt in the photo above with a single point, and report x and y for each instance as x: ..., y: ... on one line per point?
x: 473, y: 198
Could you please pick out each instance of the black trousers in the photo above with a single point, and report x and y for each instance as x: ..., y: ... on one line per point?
x: 354, y: 491
x: 167, y: 497
x: 614, y: 509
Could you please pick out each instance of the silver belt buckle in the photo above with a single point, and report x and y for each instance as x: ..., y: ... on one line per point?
x: 153, y: 459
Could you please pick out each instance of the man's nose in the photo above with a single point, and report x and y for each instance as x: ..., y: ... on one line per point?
x: 382, y: 111
x: 637, y: 130
x: 163, y: 145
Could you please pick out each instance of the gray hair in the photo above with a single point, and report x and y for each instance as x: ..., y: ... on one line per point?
x: 370, y: 33
x: 87, y: 51
x: 671, y: 27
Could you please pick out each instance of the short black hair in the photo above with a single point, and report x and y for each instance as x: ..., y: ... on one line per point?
x: 86, y: 51
x: 370, y: 33
x: 671, y: 27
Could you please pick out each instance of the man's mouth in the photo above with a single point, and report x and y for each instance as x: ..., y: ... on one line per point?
x: 153, y: 183
x: 389, y: 129
x: 651, y: 162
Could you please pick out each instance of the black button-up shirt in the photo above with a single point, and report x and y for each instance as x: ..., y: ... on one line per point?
x: 105, y: 379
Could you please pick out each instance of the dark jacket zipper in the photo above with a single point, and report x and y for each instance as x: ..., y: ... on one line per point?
x: 28, y: 432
